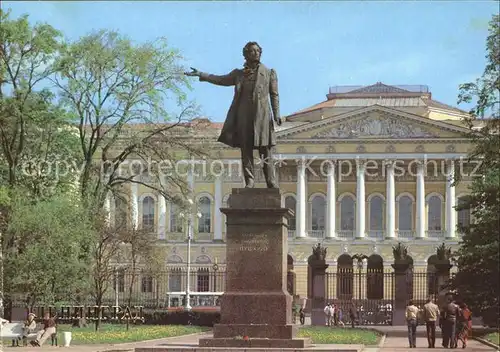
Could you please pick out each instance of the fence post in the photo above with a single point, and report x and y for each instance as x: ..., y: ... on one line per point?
x: 401, y: 293
x: 318, y: 267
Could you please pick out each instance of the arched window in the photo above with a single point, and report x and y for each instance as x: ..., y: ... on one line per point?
x: 347, y: 213
x: 204, y: 223
x: 434, y: 214
x: 291, y: 204
x: 345, y: 277
x: 405, y: 217
x: 375, y: 277
x: 175, y: 219
x: 376, y: 213
x: 318, y: 213
x: 148, y: 213
x: 463, y: 214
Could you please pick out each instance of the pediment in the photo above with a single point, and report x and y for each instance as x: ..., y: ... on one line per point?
x: 374, y: 122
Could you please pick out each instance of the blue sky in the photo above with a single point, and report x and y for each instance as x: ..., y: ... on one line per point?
x: 312, y: 45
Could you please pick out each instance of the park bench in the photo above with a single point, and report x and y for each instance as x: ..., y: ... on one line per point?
x: 14, y: 331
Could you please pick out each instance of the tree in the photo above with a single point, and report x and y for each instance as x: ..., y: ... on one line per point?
x: 26, y: 54
x: 56, y: 267
x: 477, y: 256
x: 118, y: 93
x: 121, y: 96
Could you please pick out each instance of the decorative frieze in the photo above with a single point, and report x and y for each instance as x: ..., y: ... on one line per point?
x: 382, y: 126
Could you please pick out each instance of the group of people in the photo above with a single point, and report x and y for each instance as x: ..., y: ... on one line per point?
x: 454, y: 320
x: 334, y: 315
x: 30, y: 326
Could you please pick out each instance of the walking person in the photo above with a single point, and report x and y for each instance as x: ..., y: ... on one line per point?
x: 464, y: 324
x: 328, y: 316
x: 431, y: 316
x: 450, y: 313
x: 411, y: 315
x: 302, y: 316
x: 352, y: 314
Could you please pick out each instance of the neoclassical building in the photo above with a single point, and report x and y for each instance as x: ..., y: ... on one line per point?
x: 365, y: 169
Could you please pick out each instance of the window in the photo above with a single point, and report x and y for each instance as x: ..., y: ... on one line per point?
x: 463, y: 215
x: 376, y: 213
x: 146, y: 283
x: 204, y: 223
x: 347, y: 213
x: 291, y: 203
x: 175, y: 219
x: 434, y: 214
x: 405, y: 217
x: 175, y: 280
x: 318, y: 213
x: 203, y: 280
x: 148, y: 213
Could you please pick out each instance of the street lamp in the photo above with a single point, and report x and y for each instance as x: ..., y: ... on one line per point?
x: 189, y: 217
x: 359, y: 262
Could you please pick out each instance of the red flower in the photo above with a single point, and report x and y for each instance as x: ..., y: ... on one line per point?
x: 245, y: 338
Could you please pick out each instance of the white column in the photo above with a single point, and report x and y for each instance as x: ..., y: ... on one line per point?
x: 451, y: 215
x: 107, y: 208
x: 360, y: 199
x: 390, y: 203
x: 301, y: 199
x: 134, y: 205
x: 217, y: 212
x: 162, y: 217
x: 331, y: 199
x: 420, y: 218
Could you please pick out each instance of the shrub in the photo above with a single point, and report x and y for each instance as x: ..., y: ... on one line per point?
x: 198, y: 317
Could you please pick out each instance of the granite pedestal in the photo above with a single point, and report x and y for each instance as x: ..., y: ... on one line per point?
x: 256, y: 309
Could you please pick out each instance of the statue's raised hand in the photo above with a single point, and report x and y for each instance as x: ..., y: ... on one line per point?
x: 194, y: 72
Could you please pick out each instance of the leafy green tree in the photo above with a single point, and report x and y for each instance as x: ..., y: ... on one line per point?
x: 26, y: 54
x: 50, y: 264
x: 478, y: 256
x: 122, y: 96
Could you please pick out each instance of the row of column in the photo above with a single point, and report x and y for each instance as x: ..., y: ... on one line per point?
x: 301, y: 223
x: 361, y: 196
x: 162, y: 208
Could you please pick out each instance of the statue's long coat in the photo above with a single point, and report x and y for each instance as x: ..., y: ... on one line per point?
x: 236, y: 130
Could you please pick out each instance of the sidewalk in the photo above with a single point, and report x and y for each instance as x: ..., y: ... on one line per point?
x: 397, y: 340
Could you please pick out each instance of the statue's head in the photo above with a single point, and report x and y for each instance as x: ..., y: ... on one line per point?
x: 252, y: 51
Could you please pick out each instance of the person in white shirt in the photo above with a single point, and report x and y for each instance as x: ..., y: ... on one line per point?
x: 328, y: 314
x: 411, y: 315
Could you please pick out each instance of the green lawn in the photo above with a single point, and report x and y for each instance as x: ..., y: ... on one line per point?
x: 117, y: 333
x: 328, y: 335
x: 494, y: 337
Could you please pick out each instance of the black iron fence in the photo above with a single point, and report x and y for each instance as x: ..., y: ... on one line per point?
x: 372, y: 294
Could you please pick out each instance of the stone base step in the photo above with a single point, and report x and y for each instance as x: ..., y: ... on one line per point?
x: 256, y: 342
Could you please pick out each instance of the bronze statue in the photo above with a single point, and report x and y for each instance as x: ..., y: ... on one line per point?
x: 249, y: 124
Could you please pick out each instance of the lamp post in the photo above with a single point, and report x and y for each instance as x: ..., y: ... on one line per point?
x: 189, y: 217
x: 359, y: 263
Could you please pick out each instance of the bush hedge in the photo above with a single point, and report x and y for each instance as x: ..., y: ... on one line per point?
x: 182, y: 317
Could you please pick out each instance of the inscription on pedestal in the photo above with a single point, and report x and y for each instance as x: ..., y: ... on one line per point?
x: 254, y: 243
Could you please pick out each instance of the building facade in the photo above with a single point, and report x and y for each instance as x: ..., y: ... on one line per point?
x: 366, y: 169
